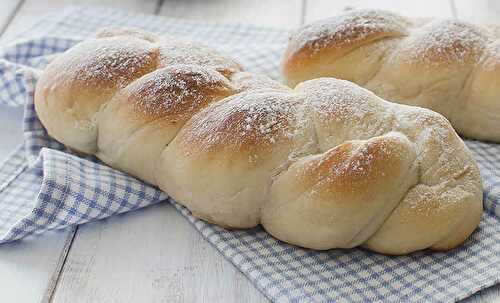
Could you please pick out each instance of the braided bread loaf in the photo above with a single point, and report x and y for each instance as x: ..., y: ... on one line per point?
x: 326, y: 165
x: 449, y: 66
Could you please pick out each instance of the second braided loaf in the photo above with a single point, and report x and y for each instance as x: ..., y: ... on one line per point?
x: 449, y: 66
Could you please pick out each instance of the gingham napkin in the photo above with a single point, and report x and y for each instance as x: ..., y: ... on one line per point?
x: 43, y: 187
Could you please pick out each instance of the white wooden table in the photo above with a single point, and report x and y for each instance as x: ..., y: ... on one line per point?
x: 154, y: 255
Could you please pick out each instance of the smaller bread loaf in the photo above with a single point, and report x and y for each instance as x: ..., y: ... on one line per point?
x: 449, y: 66
x: 326, y: 165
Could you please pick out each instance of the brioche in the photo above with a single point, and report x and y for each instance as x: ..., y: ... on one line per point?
x: 449, y: 66
x: 326, y: 165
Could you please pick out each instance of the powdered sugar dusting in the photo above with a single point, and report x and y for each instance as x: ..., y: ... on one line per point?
x: 348, y: 28
x: 350, y: 112
x: 361, y: 165
x: 339, y: 99
x: 112, y: 60
x: 189, y: 53
x: 178, y: 90
x: 249, y: 81
x: 245, y: 120
x: 448, y: 41
x: 365, y: 160
x: 358, y: 163
x: 492, y: 58
x: 432, y: 42
x: 190, y: 84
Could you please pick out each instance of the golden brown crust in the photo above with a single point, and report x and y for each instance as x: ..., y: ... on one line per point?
x: 448, y: 66
x: 444, y: 43
x: 249, y: 121
x: 363, y: 167
x: 175, y: 93
x: 326, y: 165
x: 350, y: 168
x: 186, y: 53
x: 79, y: 82
x: 93, y: 71
x: 338, y: 35
x: 104, y: 63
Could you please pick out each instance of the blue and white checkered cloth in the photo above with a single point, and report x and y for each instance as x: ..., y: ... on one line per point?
x: 43, y: 187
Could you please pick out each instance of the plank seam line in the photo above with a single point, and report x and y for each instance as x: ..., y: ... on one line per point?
x: 453, y: 9
x: 56, y: 276
x: 303, y: 12
x: 159, y: 4
x: 11, y: 17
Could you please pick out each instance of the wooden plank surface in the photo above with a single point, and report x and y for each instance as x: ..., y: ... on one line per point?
x: 481, y: 11
x: 276, y: 13
x: 318, y: 9
x: 8, y: 10
x: 29, y: 268
x: 31, y: 10
x: 11, y: 132
x: 151, y: 255
x: 155, y: 255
